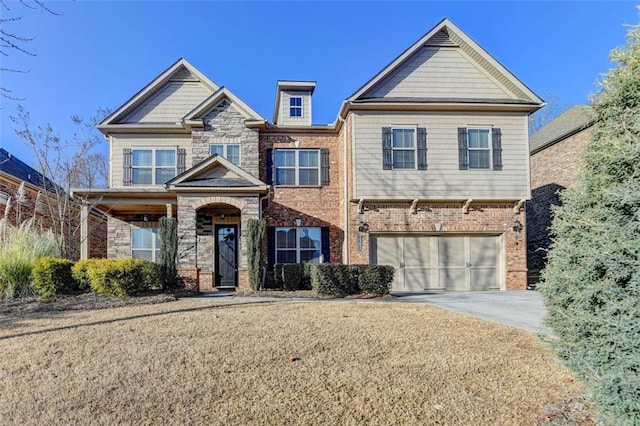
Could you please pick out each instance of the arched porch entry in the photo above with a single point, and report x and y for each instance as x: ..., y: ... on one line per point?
x: 218, y: 229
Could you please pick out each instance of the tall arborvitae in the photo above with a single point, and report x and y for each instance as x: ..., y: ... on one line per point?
x: 592, y: 281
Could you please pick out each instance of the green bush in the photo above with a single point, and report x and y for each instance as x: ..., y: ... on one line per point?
x: 53, y: 276
x: 591, y: 284
x: 376, y: 279
x: 291, y: 276
x: 334, y: 279
x: 305, y: 282
x: 119, y: 277
x: 80, y: 272
x: 165, y: 275
x: 277, y: 275
x: 255, y: 235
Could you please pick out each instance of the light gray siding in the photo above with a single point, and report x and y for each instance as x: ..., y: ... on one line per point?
x: 284, y: 119
x: 442, y: 180
x: 170, y: 104
x: 439, y: 72
x: 119, y: 142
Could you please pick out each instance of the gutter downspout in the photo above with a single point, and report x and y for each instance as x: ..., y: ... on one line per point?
x: 345, y: 242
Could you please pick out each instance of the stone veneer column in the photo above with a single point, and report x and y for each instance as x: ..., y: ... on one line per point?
x: 187, y: 247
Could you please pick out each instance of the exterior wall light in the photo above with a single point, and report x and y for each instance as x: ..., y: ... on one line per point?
x: 363, y: 227
x: 517, y: 226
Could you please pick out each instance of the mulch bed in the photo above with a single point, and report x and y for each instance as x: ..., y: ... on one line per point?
x: 305, y: 294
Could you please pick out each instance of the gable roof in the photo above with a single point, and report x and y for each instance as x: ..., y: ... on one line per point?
x: 568, y: 123
x: 194, y: 117
x: 446, y: 34
x: 199, y: 177
x: 180, y: 70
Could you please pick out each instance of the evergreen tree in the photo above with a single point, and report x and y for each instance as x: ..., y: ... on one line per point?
x: 591, y: 284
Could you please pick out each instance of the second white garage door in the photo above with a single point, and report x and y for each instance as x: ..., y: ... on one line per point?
x: 422, y: 262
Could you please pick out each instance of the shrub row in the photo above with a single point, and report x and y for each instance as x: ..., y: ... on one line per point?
x: 334, y: 279
x: 114, y: 277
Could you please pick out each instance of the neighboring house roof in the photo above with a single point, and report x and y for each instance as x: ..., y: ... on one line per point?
x: 571, y: 121
x: 12, y: 165
x: 448, y: 36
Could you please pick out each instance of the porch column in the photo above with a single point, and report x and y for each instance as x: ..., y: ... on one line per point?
x: 84, y: 231
x: 169, y: 210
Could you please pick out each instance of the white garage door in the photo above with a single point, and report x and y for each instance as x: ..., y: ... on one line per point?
x: 465, y: 262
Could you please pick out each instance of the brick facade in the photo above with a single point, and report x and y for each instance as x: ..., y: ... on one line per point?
x: 553, y: 169
x: 315, y: 206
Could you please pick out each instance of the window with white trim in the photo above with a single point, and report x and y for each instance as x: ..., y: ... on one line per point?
x: 295, y: 106
x: 478, y: 144
x: 229, y: 151
x: 152, y: 166
x: 403, y: 144
x: 297, y: 166
x: 145, y: 243
x: 298, y: 245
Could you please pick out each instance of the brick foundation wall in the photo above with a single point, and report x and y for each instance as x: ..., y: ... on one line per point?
x: 552, y: 170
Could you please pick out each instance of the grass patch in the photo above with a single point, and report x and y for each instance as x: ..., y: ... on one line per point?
x: 202, y: 361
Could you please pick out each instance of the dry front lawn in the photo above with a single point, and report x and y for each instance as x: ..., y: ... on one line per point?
x: 205, y: 361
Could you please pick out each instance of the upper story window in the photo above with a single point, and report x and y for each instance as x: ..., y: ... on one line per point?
x: 297, y: 245
x: 297, y: 166
x: 404, y: 148
x: 480, y: 148
x: 295, y: 106
x: 145, y: 243
x: 152, y: 166
x: 229, y: 151
x: 403, y: 143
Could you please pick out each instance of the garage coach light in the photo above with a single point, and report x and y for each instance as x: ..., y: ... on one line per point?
x: 517, y: 226
x: 363, y: 227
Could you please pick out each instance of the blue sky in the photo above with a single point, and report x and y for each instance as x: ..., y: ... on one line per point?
x: 98, y: 54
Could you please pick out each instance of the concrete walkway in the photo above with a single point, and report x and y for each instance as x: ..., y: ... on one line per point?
x: 521, y: 309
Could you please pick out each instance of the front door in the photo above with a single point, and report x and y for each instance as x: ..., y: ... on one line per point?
x: 226, y: 259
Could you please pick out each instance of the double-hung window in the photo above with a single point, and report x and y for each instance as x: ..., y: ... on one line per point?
x: 404, y: 148
x: 295, y: 106
x: 229, y: 151
x: 298, y: 245
x: 403, y: 144
x: 152, y: 166
x: 480, y: 148
x: 297, y: 166
x: 145, y: 243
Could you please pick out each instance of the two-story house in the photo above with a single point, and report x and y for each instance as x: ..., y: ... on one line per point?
x: 426, y: 168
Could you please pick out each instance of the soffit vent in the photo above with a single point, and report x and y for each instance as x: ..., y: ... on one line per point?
x: 441, y: 38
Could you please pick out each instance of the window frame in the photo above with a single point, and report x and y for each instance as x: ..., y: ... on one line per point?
x: 488, y: 149
x: 154, y: 167
x: 296, y: 167
x: 225, y: 151
x: 293, y: 107
x: 414, y: 149
x: 298, y: 248
x: 155, y: 242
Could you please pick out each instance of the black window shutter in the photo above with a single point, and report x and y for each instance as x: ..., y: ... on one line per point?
x: 269, y: 166
x: 127, y: 177
x: 326, y: 242
x: 497, y: 148
x: 463, y: 152
x: 422, y: 148
x: 324, y: 167
x: 387, y: 151
x: 271, y: 245
x: 182, y: 161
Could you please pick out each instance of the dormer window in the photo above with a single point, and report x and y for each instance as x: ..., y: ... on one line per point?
x: 295, y: 107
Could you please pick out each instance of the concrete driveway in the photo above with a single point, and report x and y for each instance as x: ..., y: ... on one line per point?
x: 521, y: 309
